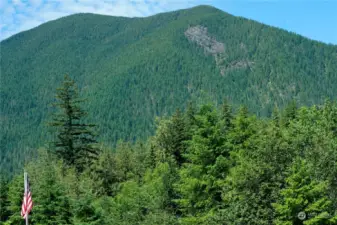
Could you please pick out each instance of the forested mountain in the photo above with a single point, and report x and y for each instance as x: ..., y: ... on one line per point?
x: 134, y: 69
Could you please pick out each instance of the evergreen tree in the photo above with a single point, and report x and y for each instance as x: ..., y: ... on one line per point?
x: 289, y: 113
x: 4, y: 214
x: 206, y: 164
x: 226, y: 115
x: 146, y: 203
x: 125, y: 161
x: 276, y: 116
x: 304, y: 201
x: 190, y: 113
x: 244, y: 127
x: 15, y: 196
x: 75, y: 139
x: 84, y: 200
x: 49, y: 194
x: 171, y: 137
x: 151, y: 156
x: 105, y: 174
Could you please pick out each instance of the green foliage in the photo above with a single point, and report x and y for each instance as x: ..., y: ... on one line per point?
x: 206, y: 166
x: 303, y: 195
x: 145, y: 203
x: 170, y: 139
x: 258, y: 177
x: 134, y: 69
x: 15, y: 197
x: 235, y: 169
x: 105, y: 175
x: 3, y: 200
x: 74, y: 138
x: 51, y: 203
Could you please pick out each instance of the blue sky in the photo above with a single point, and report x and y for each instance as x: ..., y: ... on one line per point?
x: 315, y: 19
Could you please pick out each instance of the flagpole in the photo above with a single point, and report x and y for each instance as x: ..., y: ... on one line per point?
x: 27, y: 219
x: 26, y: 186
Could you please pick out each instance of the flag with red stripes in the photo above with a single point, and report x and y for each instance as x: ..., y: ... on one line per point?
x: 27, y: 203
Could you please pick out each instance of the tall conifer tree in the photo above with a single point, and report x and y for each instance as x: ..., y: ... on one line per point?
x: 75, y: 139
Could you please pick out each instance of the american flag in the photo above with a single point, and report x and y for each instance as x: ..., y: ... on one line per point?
x: 27, y: 203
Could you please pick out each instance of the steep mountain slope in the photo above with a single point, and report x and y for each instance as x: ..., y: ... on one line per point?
x: 133, y: 69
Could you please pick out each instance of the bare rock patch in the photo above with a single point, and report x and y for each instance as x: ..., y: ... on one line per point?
x: 199, y: 35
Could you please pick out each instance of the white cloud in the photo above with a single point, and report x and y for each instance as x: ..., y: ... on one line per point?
x: 20, y: 15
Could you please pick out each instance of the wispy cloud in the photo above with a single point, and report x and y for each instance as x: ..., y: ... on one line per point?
x: 20, y: 15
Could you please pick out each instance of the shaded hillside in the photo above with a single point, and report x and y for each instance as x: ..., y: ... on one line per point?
x: 132, y: 70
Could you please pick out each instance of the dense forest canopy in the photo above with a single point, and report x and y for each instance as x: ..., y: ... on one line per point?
x: 134, y: 69
x: 204, y: 165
